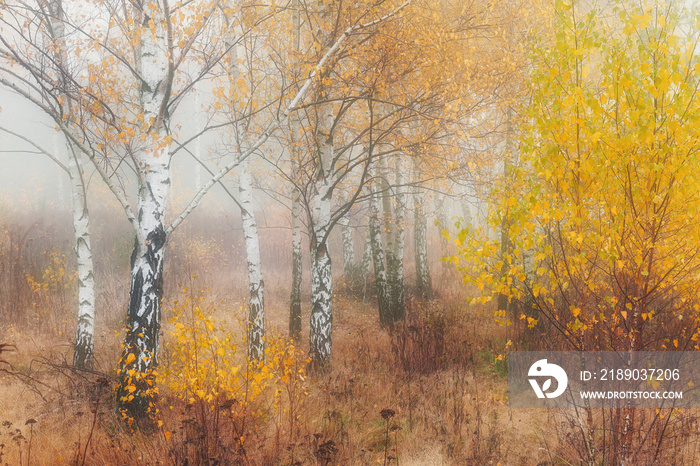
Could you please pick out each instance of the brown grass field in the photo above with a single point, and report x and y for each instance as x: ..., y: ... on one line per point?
x: 429, y: 392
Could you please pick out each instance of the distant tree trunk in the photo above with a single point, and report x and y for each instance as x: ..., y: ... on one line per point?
x: 441, y: 226
x: 397, y: 286
x: 295, y: 298
x: 503, y: 299
x: 466, y: 210
x: 420, y: 241
x: 380, y: 280
x: 348, y: 244
x: 366, y: 255
x: 390, y: 235
x: 198, y: 141
x: 256, y: 286
x: 365, y: 264
x: 483, y: 218
x: 85, y: 330
x: 61, y: 199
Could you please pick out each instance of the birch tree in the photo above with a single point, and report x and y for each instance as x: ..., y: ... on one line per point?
x: 84, y: 347
x: 377, y: 246
x: 398, y: 304
x: 121, y: 94
x: 52, y: 38
x: 137, y: 69
x: 329, y: 158
x: 296, y: 211
x: 348, y: 243
x: 420, y: 237
x: 154, y: 65
x: 83, y: 354
x: 240, y: 69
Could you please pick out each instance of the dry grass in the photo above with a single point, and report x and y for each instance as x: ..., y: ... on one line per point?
x: 448, y: 410
x: 436, y: 373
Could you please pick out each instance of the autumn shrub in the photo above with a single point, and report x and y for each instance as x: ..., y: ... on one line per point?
x: 52, y: 292
x: 221, y: 396
x: 199, y: 252
x: 30, y: 245
x: 600, y: 215
x: 602, y: 222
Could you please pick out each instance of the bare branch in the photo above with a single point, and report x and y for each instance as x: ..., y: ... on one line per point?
x: 282, y: 117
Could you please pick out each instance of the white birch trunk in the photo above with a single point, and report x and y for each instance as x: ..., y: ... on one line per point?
x: 397, y: 287
x: 256, y: 303
x: 85, y: 329
x: 348, y: 244
x: 375, y: 234
x: 141, y: 342
x: 297, y: 269
x: 256, y: 286
x: 365, y: 264
x: 136, y: 392
x: 321, y: 320
x: 295, y: 298
x: 84, y: 348
x: 366, y: 256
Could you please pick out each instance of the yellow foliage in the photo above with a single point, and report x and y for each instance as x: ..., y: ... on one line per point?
x: 204, y: 364
x: 55, y: 276
x: 603, y: 208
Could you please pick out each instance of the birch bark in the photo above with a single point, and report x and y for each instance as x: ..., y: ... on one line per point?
x: 397, y: 287
x: 348, y: 243
x: 136, y: 392
x: 256, y: 285
x: 84, y: 348
x: 321, y: 320
x: 365, y: 264
x: 380, y: 280
x: 297, y: 269
x: 295, y: 298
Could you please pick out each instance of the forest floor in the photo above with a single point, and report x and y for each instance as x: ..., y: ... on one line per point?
x: 430, y: 392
